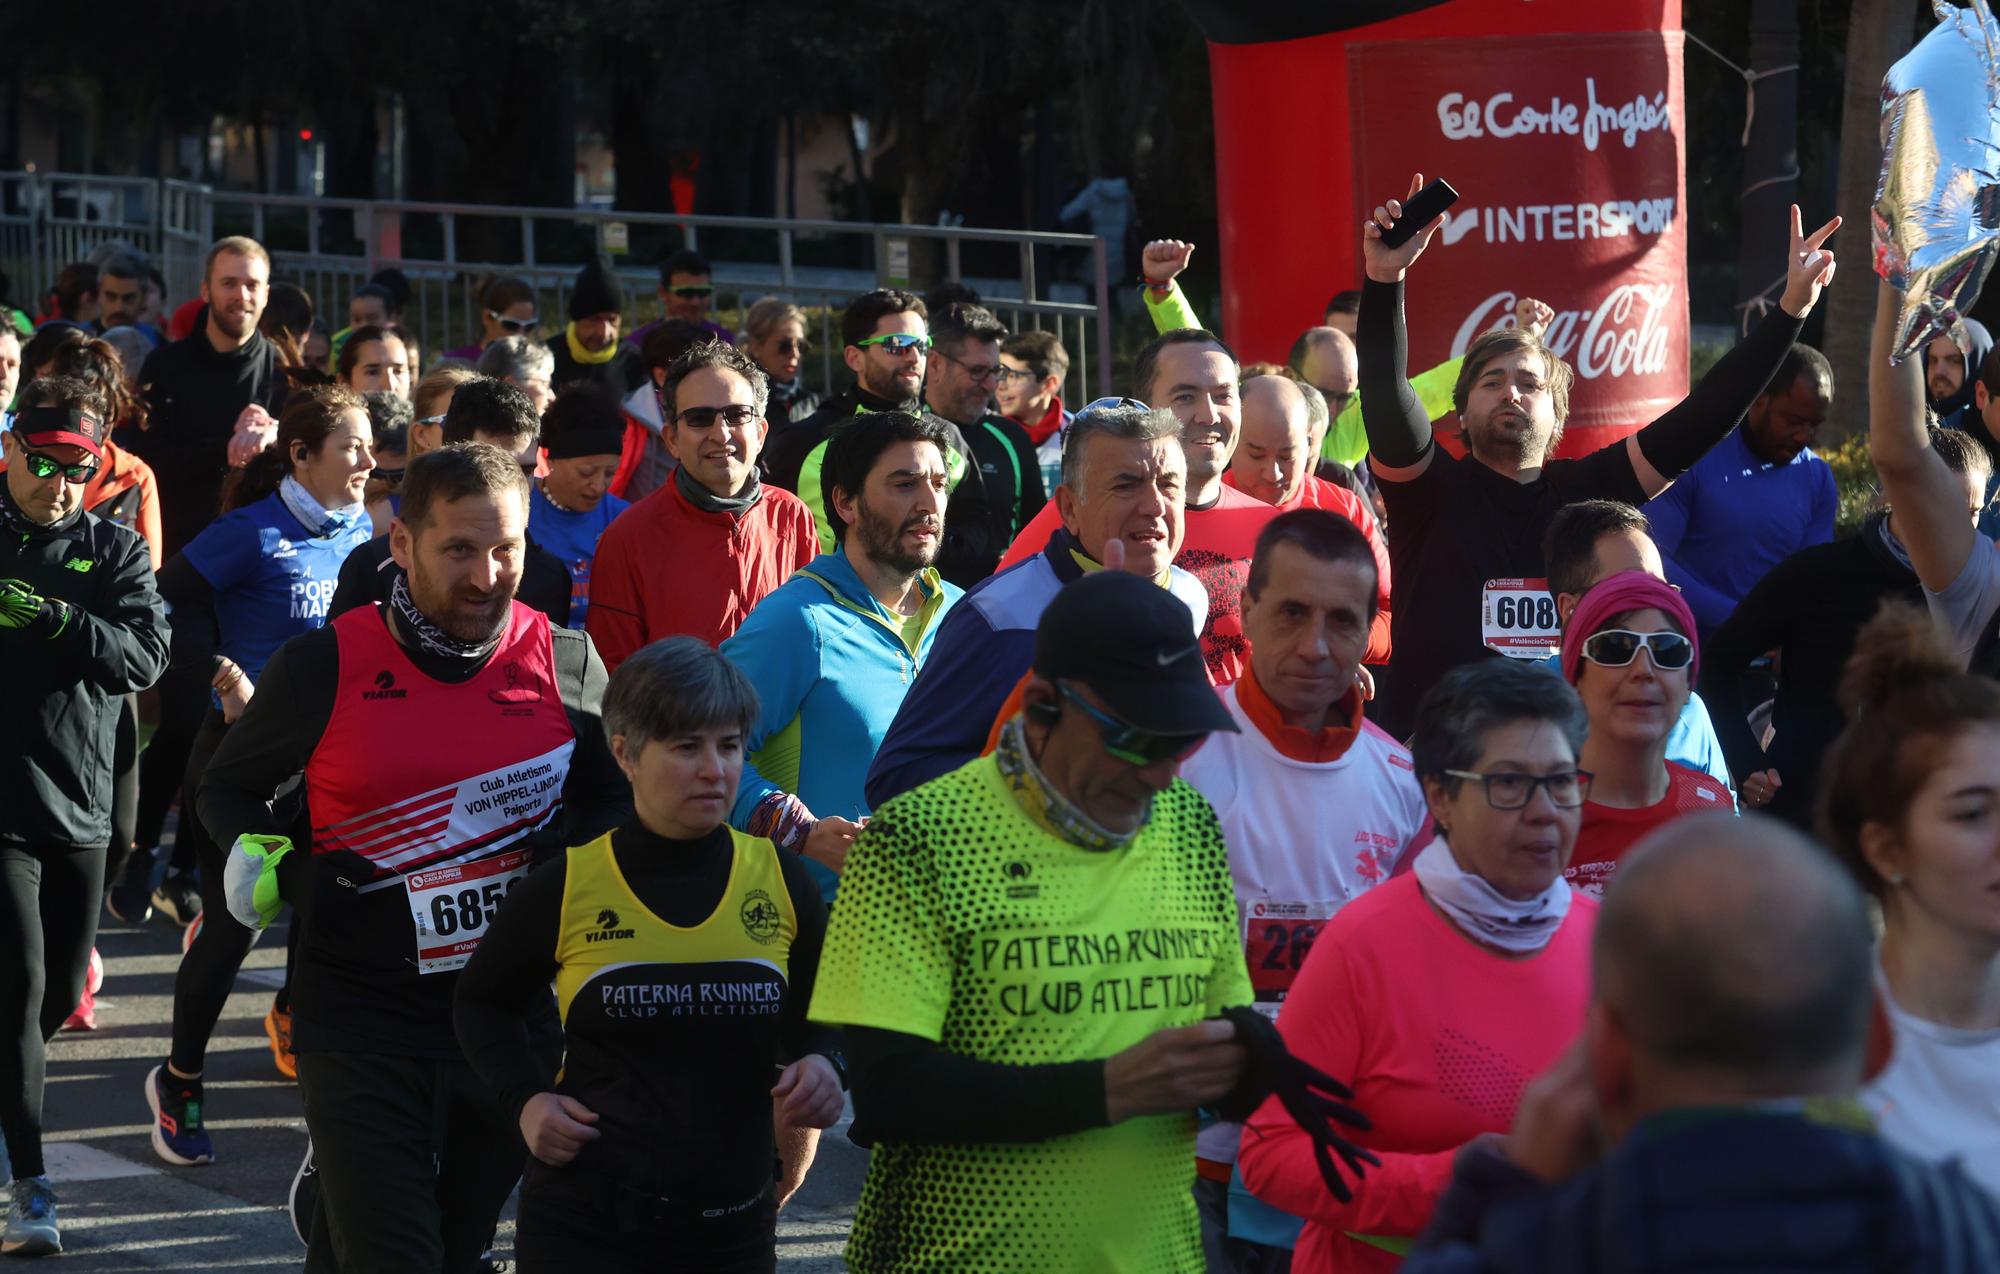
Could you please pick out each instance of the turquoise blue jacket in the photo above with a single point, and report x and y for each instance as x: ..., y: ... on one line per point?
x: 831, y: 666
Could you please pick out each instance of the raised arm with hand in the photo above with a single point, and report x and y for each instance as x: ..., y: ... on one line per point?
x: 1398, y: 426
x: 1930, y: 512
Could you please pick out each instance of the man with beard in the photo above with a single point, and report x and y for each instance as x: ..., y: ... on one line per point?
x: 887, y: 345
x: 695, y: 556
x: 444, y: 742
x: 1468, y: 531
x: 834, y: 650
x: 199, y: 390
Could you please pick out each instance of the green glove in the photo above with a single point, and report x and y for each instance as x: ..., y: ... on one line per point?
x: 250, y: 879
x: 22, y: 608
x: 20, y: 605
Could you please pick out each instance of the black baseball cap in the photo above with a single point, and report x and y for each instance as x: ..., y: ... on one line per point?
x: 1133, y: 643
x: 61, y: 426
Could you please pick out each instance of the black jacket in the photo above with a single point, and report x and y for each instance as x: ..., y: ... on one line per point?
x: 621, y: 374
x: 60, y: 714
x: 1810, y: 609
x: 369, y: 573
x: 193, y: 396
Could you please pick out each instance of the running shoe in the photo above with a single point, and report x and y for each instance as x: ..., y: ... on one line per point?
x: 129, y: 899
x: 278, y: 1029
x: 178, y: 1134
x: 31, y: 1220
x: 85, y: 1016
x: 177, y: 898
x: 303, y: 1201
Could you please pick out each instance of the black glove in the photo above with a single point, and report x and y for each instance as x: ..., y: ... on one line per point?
x: 1307, y: 1093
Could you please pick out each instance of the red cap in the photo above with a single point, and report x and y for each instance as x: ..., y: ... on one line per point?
x: 60, y: 426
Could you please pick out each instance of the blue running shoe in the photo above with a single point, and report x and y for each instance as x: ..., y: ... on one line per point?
x: 31, y: 1220
x: 178, y: 1135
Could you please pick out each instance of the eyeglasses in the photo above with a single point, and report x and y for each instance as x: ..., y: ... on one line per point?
x: 694, y: 293
x: 977, y: 371
x: 1617, y: 647
x: 42, y: 466
x: 735, y: 416
x: 790, y: 346
x: 1128, y: 742
x: 1506, y: 790
x: 1008, y: 375
x: 898, y: 343
x: 514, y: 325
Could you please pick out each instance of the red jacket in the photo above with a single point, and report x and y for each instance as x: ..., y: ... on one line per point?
x: 665, y: 568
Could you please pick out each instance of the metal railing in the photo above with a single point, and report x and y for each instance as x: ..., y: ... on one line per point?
x: 329, y: 247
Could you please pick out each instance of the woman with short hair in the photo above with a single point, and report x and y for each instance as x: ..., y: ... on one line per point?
x: 774, y: 333
x: 683, y: 955
x: 1444, y: 990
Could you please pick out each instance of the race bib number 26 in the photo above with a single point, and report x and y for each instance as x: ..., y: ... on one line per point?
x: 452, y: 907
x: 1517, y: 618
x: 1277, y: 937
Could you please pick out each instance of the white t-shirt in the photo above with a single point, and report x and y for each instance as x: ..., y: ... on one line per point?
x: 1963, y: 609
x: 1940, y: 1097
x: 1304, y: 839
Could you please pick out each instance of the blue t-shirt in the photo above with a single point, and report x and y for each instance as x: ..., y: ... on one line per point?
x: 573, y: 538
x: 272, y: 581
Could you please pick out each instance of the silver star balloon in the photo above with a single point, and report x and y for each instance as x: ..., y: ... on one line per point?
x: 1936, y: 220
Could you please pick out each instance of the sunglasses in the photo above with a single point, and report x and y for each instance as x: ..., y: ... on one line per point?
x: 514, y: 325
x: 790, y: 346
x: 1506, y: 790
x: 735, y: 416
x: 1128, y: 742
x: 1105, y: 404
x: 1617, y: 647
x: 898, y: 343
x: 42, y: 466
x: 693, y: 293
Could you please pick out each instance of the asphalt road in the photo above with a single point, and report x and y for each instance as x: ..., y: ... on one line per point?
x: 124, y: 1209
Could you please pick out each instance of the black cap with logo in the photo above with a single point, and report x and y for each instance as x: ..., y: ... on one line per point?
x: 1133, y: 643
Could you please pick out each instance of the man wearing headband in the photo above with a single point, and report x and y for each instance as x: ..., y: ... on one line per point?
x: 1025, y: 953
x: 82, y: 626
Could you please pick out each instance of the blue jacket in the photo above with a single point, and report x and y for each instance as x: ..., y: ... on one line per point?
x: 984, y: 648
x: 831, y: 665
x: 1726, y: 522
x: 1695, y: 1192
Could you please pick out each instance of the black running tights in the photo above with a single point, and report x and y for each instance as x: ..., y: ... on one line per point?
x: 48, y: 919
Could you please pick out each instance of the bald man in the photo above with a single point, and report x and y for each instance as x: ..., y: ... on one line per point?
x: 1727, y: 1036
x: 1272, y: 463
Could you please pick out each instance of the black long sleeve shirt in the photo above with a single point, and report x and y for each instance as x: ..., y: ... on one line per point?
x: 1459, y: 524
x: 1809, y: 609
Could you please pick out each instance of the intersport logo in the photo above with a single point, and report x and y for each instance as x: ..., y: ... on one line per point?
x: 1625, y: 335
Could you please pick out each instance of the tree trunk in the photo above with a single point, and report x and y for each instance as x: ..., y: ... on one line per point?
x: 1771, y: 160
x: 1878, y: 32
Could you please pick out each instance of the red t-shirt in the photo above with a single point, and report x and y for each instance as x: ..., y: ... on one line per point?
x: 1607, y: 833
x: 1437, y: 1036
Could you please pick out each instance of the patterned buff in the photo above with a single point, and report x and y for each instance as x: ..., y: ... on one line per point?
x: 433, y: 639
x: 318, y: 520
x: 1054, y: 811
x: 1484, y: 912
x: 784, y: 820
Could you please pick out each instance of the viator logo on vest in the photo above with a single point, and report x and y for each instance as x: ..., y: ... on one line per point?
x: 385, y: 687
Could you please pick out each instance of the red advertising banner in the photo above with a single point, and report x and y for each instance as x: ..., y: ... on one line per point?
x: 1568, y: 155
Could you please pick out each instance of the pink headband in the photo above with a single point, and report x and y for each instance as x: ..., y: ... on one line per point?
x: 1627, y: 590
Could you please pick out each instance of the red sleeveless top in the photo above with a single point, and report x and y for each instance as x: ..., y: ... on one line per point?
x: 415, y: 773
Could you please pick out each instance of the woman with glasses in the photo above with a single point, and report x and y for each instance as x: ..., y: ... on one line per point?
x: 774, y: 333
x: 506, y: 308
x: 1908, y: 802
x: 257, y: 576
x: 1444, y: 990
x: 1629, y: 649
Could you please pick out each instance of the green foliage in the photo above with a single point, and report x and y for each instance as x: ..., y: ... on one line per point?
x: 1854, y: 477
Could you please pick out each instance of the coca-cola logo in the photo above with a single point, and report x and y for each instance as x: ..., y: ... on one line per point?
x: 1624, y: 335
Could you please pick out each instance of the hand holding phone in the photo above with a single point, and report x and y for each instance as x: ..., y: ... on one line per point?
x: 1395, y: 235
